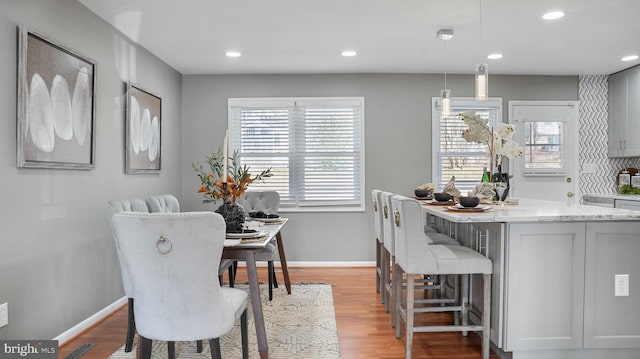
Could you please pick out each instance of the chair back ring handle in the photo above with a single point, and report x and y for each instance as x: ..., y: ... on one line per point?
x: 396, y: 214
x: 386, y: 211
x: 164, y: 245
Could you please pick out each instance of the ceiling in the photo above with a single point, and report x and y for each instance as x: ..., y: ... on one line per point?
x: 307, y: 36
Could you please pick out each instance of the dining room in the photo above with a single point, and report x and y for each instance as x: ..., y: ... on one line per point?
x: 60, y: 273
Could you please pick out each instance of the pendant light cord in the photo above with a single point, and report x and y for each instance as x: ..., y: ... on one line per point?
x: 481, y: 27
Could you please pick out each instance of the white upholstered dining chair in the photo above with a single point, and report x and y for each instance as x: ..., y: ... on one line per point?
x: 269, y: 203
x: 117, y: 206
x: 168, y: 203
x: 172, y: 260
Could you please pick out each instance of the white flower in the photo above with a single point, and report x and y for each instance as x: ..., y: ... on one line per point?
x: 509, y: 148
x: 479, y: 131
x: 504, y: 131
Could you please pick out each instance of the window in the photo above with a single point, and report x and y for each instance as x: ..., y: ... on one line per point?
x: 543, y: 144
x: 315, y: 147
x: 452, y: 154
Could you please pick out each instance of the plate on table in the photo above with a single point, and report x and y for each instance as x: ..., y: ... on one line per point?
x: 459, y: 208
x: 246, y: 235
x: 267, y: 220
x: 439, y: 203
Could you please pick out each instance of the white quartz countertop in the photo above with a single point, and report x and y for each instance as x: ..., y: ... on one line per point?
x: 533, y: 210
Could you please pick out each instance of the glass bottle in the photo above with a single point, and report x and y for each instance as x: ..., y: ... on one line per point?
x: 497, y: 176
x: 624, y: 179
x: 486, y: 176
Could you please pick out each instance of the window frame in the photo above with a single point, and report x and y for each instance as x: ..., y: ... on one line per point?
x: 357, y: 205
x: 548, y: 172
x: 467, y: 103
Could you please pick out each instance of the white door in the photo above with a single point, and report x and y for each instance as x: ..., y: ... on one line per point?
x: 547, y: 132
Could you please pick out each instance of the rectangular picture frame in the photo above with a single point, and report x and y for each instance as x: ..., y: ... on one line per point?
x: 143, y: 131
x: 56, y: 104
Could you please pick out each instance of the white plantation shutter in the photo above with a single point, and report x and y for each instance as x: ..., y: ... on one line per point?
x: 314, y: 146
x: 452, y: 154
x: 261, y: 136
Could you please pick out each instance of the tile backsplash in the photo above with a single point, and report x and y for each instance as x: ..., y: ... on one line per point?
x: 592, y: 142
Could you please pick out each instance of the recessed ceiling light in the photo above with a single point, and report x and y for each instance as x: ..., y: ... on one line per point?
x: 494, y: 56
x: 629, y: 58
x: 553, y: 15
x: 349, y: 53
x: 233, y: 54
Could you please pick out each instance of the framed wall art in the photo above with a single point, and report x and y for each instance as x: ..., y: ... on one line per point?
x: 142, y: 140
x: 56, y: 104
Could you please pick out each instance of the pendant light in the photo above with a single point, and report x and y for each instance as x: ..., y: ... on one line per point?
x: 482, y: 73
x: 445, y: 95
x: 482, y: 82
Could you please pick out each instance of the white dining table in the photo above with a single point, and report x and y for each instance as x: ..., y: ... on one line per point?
x: 237, y: 249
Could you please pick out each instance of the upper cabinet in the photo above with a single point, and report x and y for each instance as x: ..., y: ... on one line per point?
x: 624, y: 113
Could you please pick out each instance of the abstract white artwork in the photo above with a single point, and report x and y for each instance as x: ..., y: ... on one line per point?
x: 143, y: 131
x: 56, y: 104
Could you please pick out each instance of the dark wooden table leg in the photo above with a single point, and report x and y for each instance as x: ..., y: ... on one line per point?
x: 283, y: 263
x: 256, y: 304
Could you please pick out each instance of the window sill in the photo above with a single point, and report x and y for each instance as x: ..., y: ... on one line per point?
x: 320, y: 209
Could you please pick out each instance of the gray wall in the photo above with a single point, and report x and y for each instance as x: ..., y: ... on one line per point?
x: 58, y: 264
x: 398, y: 145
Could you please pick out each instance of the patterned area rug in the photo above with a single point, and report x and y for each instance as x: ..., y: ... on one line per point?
x: 300, y: 325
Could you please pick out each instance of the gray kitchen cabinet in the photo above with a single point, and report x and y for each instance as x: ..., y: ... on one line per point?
x: 611, y: 321
x: 553, y: 286
x: 617, y: 112
x: 545, y: 291
x: 624, y: 114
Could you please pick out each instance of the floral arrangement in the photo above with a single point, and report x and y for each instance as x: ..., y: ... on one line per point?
x: 238, y: 178
x: 499, y: 141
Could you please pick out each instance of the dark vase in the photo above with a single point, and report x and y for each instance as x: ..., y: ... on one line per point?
x: 502, y: 177
x: 233, y: 215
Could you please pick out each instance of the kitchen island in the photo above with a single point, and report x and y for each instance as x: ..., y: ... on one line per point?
x: 553, y: 285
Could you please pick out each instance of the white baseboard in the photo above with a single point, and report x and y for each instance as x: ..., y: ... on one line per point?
x: 83, y: 325
x: 331, y: 264
x: 318, y: 264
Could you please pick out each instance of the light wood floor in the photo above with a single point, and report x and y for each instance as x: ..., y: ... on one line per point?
x: 364, y: 328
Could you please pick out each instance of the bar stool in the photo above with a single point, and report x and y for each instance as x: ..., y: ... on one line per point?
x: 389, y: 260
x: 377, y: 226
x: 416, y: 254
x: 388, y: 252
